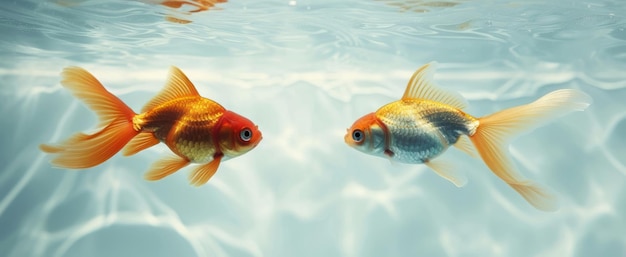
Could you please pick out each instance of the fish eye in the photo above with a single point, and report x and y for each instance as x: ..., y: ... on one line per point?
x: 357, y: 135
x: 245, y: 134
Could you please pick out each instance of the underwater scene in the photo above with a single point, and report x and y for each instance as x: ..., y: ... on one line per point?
x: 348, y: 128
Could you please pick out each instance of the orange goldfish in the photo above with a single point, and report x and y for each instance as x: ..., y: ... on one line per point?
x: 427, y: 120
x: 195, y: 5
x: 200, y: 5
x: 196, y: 129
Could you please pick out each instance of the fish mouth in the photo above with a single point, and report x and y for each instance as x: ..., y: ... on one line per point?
x: 347, y: 138
x: 258, y: 141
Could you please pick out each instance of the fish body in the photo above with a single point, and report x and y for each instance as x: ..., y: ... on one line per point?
x: 186, y: 126
x: 196, y: 129
x: 427, y: 120
x: 419, y: 130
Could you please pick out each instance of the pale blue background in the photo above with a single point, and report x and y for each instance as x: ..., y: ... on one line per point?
x: 304, y: 71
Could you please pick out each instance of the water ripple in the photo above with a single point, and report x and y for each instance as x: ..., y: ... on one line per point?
x: 304, y: 71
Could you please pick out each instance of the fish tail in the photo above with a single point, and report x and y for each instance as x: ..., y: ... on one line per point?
x: 495, y: 130
x: 82, y: 150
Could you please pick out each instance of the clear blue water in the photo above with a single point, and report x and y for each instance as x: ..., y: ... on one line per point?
x: 304, y: 71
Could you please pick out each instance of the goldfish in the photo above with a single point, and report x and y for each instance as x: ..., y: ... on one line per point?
x: 186, y: 7
x: 196, y: 129
x: 427, y: 120
x: 200, y: 5
x: 420, y: 6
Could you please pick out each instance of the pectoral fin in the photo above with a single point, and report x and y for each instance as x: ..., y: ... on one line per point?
x: 448, y: 171
x: 202, y: 174
x: 165, y: 167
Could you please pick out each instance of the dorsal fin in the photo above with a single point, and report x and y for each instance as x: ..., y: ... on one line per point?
x: 178, y: 85
x: 420, y: 86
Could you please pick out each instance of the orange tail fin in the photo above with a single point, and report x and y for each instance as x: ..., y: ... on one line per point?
x: 494, y: 131
x: 81, y: 150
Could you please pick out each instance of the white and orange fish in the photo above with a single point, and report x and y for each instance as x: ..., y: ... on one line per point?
x: 196, y: 129
x: 427, y: 120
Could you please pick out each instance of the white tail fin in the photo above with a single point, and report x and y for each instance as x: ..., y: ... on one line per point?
x: 494, y: 131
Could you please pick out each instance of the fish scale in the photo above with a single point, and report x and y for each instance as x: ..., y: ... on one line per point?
x: 185, y: 125
x: 420, y: 130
